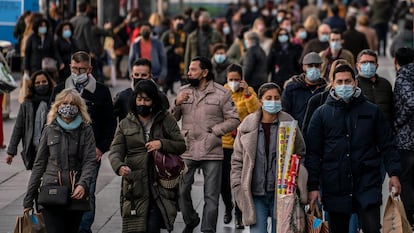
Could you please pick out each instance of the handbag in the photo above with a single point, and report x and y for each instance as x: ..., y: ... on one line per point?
x: 395, y: 219
x: 49, y: 64
x: 170, y: 168
x: 54, y: 195
x: 7, y: 82
x: 30, y: 222
x: 314, y: 221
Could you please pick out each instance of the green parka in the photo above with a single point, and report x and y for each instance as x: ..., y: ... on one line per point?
x: 128, y: 149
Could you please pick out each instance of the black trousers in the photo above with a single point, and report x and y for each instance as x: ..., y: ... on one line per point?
x: 369, y: 219
x: 407, y: 183
x: 61, y: 220
x: 225, y: 179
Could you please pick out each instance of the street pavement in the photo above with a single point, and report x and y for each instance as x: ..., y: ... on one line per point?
x: 14, y: 178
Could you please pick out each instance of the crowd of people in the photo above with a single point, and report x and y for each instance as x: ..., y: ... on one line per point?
x: 241, y: 76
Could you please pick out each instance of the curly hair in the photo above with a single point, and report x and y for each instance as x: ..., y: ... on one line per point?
x: 59, y: 28
x: 74, y: 97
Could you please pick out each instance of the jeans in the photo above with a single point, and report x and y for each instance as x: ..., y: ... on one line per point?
x: 369, y: 219
x: 407, y: 183
x: 61, y: 220
x: 264, y: 206
x: 155, y: 220
x: 89, y: 216
x: 212, y: 180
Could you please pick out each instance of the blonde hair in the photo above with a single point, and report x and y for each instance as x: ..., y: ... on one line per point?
x: 155, y: 19
x: 311, y: 23
x: 74, y: 97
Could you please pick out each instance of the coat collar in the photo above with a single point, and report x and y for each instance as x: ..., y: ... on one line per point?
x: 91, y: 86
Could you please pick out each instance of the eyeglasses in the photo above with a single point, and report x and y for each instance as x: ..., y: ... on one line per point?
x: 137, y: 75
x: 79, y: 70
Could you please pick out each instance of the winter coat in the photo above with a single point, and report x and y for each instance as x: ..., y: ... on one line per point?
x: 246, y: 152
x: 404, y: 107
x: 296, y: 95
x: 206, y: 116
x: 158, y: 57
x: 82, y: 31
x: 255, y: 66
x: 36, y: 50
x: 354, y: 42
x: 283, y: 64
x: 346, y: 142
x: 327, y: 60
x: 245, y: 106
x: 23, y: 130
x: 220, y: 71
x: 140, y: 188
x: 99, y: 102
x: 58, y: 151
x: 313, y: 103
x: 191, y: 48
x: 370, y: 35
x: 380, y: 93
x: 313, y: 45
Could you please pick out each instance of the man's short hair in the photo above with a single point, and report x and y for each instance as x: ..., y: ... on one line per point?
x: 82, y: 5
x: 142, y: 62
x: 235, y: 68
x: 404, y: 56
x: 219, y: 46
x: 81, y: 56
x: 343, y: 68
x: 368, y: 52
x: 336, y: 31
x: 205, y: 64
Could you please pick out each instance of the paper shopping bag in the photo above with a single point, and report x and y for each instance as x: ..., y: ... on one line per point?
x: 30, y: 222
x: 395, y: 219
x: 314, y: 221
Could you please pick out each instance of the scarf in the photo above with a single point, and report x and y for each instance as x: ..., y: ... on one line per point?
x: 74, y: 124
x: 40, y: 119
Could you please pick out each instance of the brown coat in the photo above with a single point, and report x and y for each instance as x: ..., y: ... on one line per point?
x: 243, y: 160
x: 206, y: 116
x: 371, y: 36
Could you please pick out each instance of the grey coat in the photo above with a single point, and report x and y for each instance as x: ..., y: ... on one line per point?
x: 56, y: 144
x: 23, y: 130
x: 244, y: 158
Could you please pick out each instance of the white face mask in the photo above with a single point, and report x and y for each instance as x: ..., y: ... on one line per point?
x: 234, y: 86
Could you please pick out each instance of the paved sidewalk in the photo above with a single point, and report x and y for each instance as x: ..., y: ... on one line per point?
x: 14, y: 178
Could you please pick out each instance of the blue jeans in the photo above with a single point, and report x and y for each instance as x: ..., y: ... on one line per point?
x: 264, y: 206
x: 89, y: 216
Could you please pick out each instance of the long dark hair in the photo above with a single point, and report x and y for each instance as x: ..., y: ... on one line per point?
x: 150, y: 89
x: 31, y: 86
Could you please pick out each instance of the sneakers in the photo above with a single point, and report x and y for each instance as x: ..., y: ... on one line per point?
x: 228, y: 216
x: 190, y: 227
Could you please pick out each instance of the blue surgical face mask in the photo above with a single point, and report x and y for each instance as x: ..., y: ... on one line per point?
x: 272, y: 106
x: 324, y: 38
x: 335, y: 45
x: 345, y: 91
x: 313, y: 74
x: 66, y: 34
x: 283, y: 38
x: 303, y: 35
x: 42, y: 30
x: 219, y: 58
x: 367, y: 70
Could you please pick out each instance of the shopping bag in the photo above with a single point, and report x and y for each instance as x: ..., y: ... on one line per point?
x: 30, y: 222
x: 7, y: 82
x: 289, y: 214
x: 314, y: 221
x: 395, y: 219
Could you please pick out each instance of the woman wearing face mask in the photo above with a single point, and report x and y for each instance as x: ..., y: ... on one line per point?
x: 253, y: 174
x: 146, y: 206
x: 65, y: 46
x: 31, y: 118
x: 65, y: 157
x: 283, y: 59
x: 246, y: 102
x: 38, y: 46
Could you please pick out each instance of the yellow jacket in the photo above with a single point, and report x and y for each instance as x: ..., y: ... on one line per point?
x: 245, y: 106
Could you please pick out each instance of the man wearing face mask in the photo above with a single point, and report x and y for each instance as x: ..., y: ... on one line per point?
x: 300, y: 88
x: 334, y: 52
x: 201, y: 41
x: 141, y: 70
x: 343, y: 156
x: 99, y: 102
x: 174, y: 42
x: 207, y: 113
x: 152, y: 49
x: 220, y: 63
x: 318, y: 44
x: 375, y: 88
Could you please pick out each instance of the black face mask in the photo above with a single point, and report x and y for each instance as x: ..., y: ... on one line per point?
x: 193, y: 82
x: 144, y: 110
x: 42, y: 89
x: 180, y: 26
x: 146, y: 35
x: 205, y: 27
